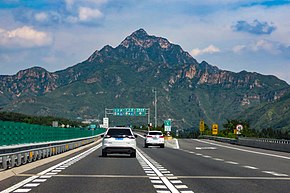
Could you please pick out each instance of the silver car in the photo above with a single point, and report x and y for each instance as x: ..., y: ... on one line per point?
x: 119, y: 140
x: 154, y: 138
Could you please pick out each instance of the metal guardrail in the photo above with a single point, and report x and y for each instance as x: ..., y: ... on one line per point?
x: 13, y: 156
x: 221, y: 139
x: 271, y: 144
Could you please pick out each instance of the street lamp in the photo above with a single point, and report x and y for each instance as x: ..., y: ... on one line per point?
x: 155, y: 105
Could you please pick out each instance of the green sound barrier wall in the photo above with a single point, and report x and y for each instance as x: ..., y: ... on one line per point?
x: 12, y: 133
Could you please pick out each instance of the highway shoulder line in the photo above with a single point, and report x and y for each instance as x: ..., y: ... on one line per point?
x: 244, y: 150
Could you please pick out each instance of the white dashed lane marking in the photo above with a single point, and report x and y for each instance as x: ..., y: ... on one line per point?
x: 275, y: 174
x: 162, y: 179
x: 22, y: 190
x: 251, y: 167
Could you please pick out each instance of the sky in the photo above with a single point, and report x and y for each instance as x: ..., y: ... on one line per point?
x: 233, y: 35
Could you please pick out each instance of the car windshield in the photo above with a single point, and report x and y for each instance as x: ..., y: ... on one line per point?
x: 154, y: 133
x: 119, y: 132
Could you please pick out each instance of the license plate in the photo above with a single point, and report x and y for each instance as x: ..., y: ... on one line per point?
x: 119, y: 138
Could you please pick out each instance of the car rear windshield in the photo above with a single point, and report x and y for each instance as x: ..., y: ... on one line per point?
x: 119, y: 132
x: 154, y: 133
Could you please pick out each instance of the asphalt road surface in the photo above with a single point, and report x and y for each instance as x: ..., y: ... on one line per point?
x: 191, y: 165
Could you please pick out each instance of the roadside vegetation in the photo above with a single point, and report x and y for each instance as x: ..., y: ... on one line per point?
x: 46, y: 120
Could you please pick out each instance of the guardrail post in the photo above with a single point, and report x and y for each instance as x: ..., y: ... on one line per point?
x: 12, y: 161
x: 4, y: 162
x: 19, y: 159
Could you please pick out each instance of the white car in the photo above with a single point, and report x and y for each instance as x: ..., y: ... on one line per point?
x: 119, y: 140
x: 154, y: 138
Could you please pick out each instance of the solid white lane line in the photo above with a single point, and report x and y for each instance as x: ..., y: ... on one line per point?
x: 244, y: 150
x: 41, y: 174
x: 172, y: 178
x: 154, y: 178
x: 20, y: 184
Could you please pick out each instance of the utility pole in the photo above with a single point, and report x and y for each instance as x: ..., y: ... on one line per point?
x: 155, y: 104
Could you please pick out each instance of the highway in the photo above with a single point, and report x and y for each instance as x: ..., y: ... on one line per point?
x: 191, y: 165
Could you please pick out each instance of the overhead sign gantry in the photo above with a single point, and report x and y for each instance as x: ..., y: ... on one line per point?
x: 128, y: 112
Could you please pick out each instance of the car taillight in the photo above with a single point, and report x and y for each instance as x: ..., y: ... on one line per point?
x: 161, y: 136
x: 148, y: 136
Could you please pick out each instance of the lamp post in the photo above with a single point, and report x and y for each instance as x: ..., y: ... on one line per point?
x: 155, y: 105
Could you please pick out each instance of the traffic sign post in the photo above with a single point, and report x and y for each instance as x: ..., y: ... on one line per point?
x: 215, y: 129
x: 239, y: 128
x: 106, y: 122
x: 201, y: 126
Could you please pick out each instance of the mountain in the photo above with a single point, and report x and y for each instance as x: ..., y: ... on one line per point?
x: 125, y: 76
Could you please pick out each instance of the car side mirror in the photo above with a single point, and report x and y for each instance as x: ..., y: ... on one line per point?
x: 136, y: 136
x: 102, y: 135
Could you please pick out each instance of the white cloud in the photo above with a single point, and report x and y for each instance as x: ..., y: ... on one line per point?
x: 87, y: 14
x: 25, y: 37
x: 41, y: 17
x: 262, y: 45
x: 211, y: 49
x: 239, y: 48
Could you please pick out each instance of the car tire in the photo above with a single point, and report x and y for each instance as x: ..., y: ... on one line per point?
x: 104, y: 154
x: 133, y: 154
x: 162, y: 146
x: 146, y: 145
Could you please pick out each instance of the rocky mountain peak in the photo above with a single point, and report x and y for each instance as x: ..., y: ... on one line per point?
x: 140, y: 33
x: 139, y: 45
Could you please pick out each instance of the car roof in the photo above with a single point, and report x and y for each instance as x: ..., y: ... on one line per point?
x: 119, y: 128
x: 155, y: 131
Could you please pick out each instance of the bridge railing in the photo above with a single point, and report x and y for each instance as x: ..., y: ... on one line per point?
x: 264, y: 143
x: 24, y: 143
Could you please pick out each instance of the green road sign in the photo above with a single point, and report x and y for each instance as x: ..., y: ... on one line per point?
x: 129, y: 111
x: 167, y: 125
x: 140, y: 112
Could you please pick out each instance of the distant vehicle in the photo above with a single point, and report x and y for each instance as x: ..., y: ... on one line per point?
x: 119, y: 140
x: 154, y: 138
